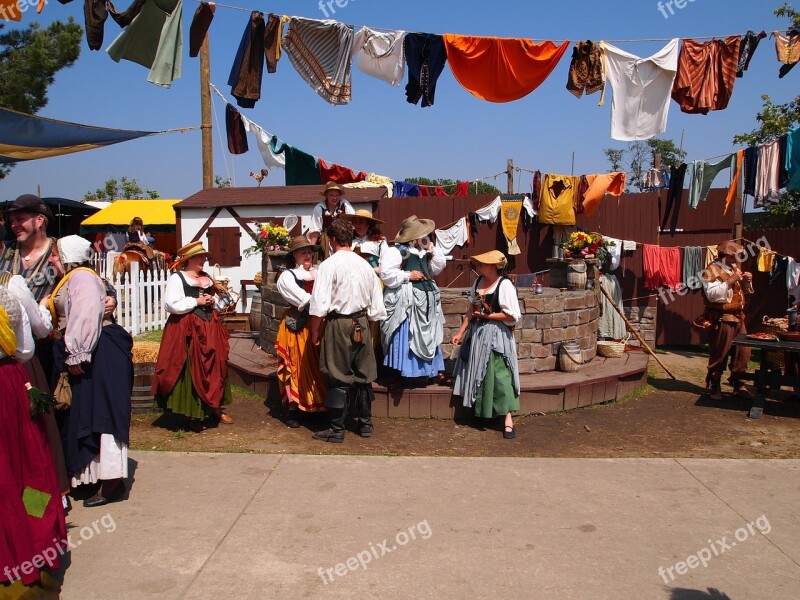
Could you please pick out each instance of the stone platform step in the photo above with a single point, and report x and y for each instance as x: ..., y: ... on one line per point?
x: 601, y: 380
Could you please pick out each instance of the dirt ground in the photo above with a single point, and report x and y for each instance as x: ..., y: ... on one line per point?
x: 664, y: 419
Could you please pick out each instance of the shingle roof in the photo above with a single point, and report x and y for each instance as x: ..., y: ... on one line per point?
x: 260, y: 196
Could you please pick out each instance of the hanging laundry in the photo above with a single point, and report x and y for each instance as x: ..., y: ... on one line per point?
x: 767, y: 190
x: 201, y: 21
x: 746, y: 50
x: 473, y: 223
x: 706, y: 75
x: 154, y: 39
x: 662, y: 267
x: 381, y: 54
x: 405, y: 190
x: 558, y: 196
x: 510, y: 210
x: 793, y: 278
x: 501, y: 69
x: 737, y: 183
x: 765, y: 260
x: 601, y: 184
x: 778, y: 272
x: 490, y: 211
x: 237, y: 136
x: 537, y: 189
x: 95, y: 15
x: 439, y: 191
x: 787, y: 47
x: 583, y: 186
x: 301, y: 167
x: 655, y: 180
x: 424, y: 190
x: 792, y: 162
x: 338, y: 173
x: 373, y: 181
x: 750, y: 165
x: 462, y: 188
x: 425, y: 57
x: 10, y: 11
x: 693, y: 259
x: 455, y: 235
x: 641, y: 88
x: 614, y: 249
x: 125, y: 18
x: 585, y: 69
x: 628, y: 245
x: 711, y: 254
x: 272, y: 41
x: 703, y: 174
x: 677, y: 176
x: 610, y: 325
x: 248, y: 64
x: 320, y: 51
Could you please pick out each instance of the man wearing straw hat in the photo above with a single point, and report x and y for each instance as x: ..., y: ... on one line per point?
x: 325, y: 212
x: 347, y: 294
x: 724, y: 289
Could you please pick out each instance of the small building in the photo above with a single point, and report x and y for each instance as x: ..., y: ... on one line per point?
x: 226, y: 219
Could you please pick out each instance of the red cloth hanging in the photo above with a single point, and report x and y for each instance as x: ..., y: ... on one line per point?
x: 462, y: 188
x: 339, y: 174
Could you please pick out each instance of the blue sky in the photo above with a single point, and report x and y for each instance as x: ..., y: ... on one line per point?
x: 460, y: 137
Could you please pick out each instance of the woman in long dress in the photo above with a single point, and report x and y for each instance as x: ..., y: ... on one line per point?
x: 301, y: 384
x: 486, y: 371
x: 96, y: 354
x: 191, y: 375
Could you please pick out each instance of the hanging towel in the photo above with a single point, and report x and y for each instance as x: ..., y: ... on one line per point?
x: 490, y: 211
x: 154, y: 39
x: 339, y: 174
x: 301, y: 167
x: 677, y: 176
x: 381, y: 54
x: 746, y: 50
x: 320, y: 51
x: 711, y: 254
x: 706, y: 74
x: 510, y: 210
x: 737, y: 183
x: 501, y: 69
x: 703, y: 174
x: 558, y: 196
x: 201, y: 21
x: 641, y: 89
x: 693, y: 258
x: 424, y: 190
x: 456, y: 235
x: 234, y: 127
x: 425, y: 57
x: 788, y: 50
x: 585, y: 69
x: 765, y: 260
x: 767, y: 190
x: 248, y: 64
x: 610, y: 324
x: 601, y: 184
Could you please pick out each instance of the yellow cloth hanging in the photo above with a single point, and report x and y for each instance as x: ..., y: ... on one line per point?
x: 765, y: 260
x: 509, y: 217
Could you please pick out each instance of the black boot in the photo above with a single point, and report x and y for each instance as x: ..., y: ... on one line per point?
x: 362, y: 409
x: 335, y: 433
x: 291, y: 420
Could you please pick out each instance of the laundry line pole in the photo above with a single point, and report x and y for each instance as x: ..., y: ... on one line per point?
x: 205, y: 115
x: 510, y: 175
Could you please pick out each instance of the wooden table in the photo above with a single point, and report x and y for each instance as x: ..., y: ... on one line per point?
x: 767, y: 375
x: 243, y: 298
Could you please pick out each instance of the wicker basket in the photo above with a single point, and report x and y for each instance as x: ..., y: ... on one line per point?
x: 611, y: 349
x: 774, y: 358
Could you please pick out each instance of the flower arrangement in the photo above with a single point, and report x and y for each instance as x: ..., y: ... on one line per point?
x: 582, y: 244
x: 270, y: 237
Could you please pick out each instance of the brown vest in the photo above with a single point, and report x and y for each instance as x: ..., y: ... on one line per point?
x: 736, y: 305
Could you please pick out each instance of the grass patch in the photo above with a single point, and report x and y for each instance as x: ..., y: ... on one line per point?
x: 240, y: 391
x: 150, y: 336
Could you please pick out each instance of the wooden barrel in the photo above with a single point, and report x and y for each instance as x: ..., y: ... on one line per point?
x: 576, y: 275
x: 141, y: 398
x: 255, y: 313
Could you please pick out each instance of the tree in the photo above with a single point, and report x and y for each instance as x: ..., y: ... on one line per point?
x: 482, y: 188
x: 29, y: 61
x: 640, y: 157
x: 221, y: 182
x: 123, y: 188
x: 774, y: 121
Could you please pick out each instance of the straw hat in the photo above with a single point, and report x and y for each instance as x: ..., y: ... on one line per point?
x: 331, y: 186
x: 364, y: 214
x: 299, y: 242
x: 413, y: 229
x: 729, y: 248
x: 493, y: 257
x: 188, y: 251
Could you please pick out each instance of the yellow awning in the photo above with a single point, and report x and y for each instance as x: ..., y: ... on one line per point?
x: 157, y: 215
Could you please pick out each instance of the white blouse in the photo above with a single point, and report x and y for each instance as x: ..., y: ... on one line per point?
x: 176, y: 302
x: 507, y: 298
x: 293, y: 293
x: 392, y: 272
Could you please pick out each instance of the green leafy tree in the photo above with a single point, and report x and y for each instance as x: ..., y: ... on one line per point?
x: 29, y: 61
x: 614, y: 157
x: 774, y: 120
x: 482, y: 188
x: 222, y: 182
x: 639, y: 157
x: 123, y: 188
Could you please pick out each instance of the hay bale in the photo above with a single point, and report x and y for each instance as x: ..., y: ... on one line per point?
x: 145, y: 352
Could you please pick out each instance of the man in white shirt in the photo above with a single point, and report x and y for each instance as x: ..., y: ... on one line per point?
x: 347, y: 294
x: 724, y: 288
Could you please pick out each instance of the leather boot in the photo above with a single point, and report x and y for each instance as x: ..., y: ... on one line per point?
x: 362, y: 409
x: 335, y: 433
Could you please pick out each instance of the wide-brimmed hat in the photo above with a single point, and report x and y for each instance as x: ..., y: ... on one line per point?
x: 299, y: 242
x: 363, y: 214
x: 729, y: 248
x: 413, y: 229
x: 188, y: 251
x: 493, y: 257
x: 331, y: 185
x: 32, y: 204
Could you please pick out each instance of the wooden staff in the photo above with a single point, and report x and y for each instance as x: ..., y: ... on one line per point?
x: 634, y: 332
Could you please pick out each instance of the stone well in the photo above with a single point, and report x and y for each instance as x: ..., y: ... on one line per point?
x: 548, y: 319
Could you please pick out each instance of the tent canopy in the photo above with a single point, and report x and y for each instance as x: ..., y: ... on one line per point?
x: 158, y: 216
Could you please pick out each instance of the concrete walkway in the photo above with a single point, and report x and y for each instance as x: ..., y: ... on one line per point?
x: 239, y: 526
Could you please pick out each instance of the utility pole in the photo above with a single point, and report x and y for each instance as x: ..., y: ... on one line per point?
x: 510, y: 175
x: 205, y: 115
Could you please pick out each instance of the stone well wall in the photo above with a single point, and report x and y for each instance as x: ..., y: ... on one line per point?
x: 548, y: 320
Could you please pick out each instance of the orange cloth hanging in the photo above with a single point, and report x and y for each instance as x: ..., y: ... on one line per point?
x: 9, y: 10
x: 735, y: 181
x: 600, y: 185
x: 501, y: 69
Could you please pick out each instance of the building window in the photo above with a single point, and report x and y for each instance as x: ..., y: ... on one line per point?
x: 224, y: 246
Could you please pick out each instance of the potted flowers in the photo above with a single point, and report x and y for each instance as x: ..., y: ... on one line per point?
x: 269, y: 238
x: 583, y: 245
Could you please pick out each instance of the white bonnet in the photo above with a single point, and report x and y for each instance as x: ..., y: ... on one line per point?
x: 74, y: 250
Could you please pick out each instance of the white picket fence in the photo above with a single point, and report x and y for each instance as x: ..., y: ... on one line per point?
x: 140, y: 299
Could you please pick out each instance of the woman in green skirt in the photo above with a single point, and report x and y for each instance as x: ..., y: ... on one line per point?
x: 487, y: 374
x: 191, y: 376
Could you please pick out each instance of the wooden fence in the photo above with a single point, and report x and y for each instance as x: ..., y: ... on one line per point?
x: 140, y: 304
